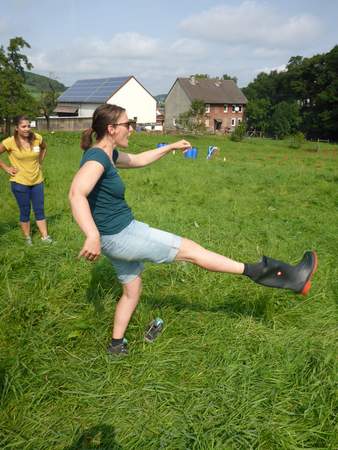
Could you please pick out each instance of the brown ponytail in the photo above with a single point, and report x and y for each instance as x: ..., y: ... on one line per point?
x: 103, y: 116
x: 86, y: 139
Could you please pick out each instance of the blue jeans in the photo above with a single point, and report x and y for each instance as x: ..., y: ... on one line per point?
x: 27, y: 195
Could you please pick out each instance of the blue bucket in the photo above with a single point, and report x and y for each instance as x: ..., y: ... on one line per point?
x: 191, y: 153
x: 161, y: 144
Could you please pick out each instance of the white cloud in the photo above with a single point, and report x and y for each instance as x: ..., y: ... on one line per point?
x: 280, y: 68
x: 96, y: 55
x: 252, y: 23
x: 123, y: 45
x: 189, y: 48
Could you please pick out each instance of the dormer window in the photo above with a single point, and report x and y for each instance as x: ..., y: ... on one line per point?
x: 207, y: 107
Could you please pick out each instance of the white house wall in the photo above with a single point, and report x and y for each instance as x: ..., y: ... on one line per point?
x: 137, y: 102
x: 87, y: 109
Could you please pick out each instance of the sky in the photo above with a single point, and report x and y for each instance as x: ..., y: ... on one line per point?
x: 158, y: 41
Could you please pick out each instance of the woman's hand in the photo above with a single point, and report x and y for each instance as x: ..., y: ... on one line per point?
x: 91, y: 249
x: 181, y: 145
x: 11, y: 170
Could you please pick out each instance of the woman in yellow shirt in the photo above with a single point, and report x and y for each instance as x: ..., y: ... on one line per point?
x: 26, y: 151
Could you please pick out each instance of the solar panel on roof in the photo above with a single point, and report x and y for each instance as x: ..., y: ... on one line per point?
x: 94, y: 90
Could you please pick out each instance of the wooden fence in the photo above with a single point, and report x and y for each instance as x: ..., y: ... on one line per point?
x: 64, y: 123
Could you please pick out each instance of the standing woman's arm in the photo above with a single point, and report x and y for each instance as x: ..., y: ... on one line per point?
x: 8, y: 169
x: 83, y: 183
x: 43, y: 151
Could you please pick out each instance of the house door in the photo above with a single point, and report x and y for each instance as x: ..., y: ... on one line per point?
x: 217, y: 124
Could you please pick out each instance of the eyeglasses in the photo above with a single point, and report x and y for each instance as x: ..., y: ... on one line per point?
x: 125, y: 124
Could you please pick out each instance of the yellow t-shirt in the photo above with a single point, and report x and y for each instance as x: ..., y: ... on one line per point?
x: 26, y: 160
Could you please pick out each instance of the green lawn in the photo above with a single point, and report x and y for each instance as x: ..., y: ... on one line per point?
x: 238, y: 366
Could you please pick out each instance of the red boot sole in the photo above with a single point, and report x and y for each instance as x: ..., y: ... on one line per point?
x: 307, y: 286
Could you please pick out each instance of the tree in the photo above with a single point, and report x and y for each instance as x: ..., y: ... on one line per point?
x: 193, y: 119
x: 14, y: 99
x: 312, y: 84
x: 48, y: 101
x: 258, y: 113
x: 229, y: 77
x: 285, y: 119
x: 200, y: 76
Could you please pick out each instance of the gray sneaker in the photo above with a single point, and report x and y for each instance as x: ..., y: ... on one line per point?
x: 118, y: 350
x: 47, y: 240
x: 28, y: 240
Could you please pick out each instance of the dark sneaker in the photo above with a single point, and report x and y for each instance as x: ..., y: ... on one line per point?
x: 154, y: 329
x: 118, y: 350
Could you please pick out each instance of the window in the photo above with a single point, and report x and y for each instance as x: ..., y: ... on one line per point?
x: 174, y: 121
x: 225, y: 108
x: 236, y: 108
x: 233, y: 122
x: 207, y: 107
x: 239, y: 121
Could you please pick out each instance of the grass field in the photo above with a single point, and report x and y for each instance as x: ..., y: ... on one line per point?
x: 238, y: 366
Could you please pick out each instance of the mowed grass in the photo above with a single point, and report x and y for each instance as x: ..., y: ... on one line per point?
x: 238, y: 366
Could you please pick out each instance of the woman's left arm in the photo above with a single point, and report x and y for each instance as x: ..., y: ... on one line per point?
x: 131, y: 161
x: 43, y: 151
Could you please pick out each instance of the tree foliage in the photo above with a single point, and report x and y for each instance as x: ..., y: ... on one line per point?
x: 200, y: 76
x: 48, y: 100
x: 229, y: 77
x: 193, y: 119
x: 205, y: 76
x: 239, y: 133
x: 309, y: 83
x: 14, y: 99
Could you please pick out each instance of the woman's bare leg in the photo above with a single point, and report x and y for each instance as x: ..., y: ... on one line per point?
x: 26, y: 228
x: 196, y: 254
x: 42, y: 225
x: 126, y: 306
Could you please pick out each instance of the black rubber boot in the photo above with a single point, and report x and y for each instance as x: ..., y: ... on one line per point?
x: 277, y: 274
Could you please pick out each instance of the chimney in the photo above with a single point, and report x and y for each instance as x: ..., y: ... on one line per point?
x: 192, y: 80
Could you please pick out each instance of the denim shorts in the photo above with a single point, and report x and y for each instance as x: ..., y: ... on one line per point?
x: 136, y: 243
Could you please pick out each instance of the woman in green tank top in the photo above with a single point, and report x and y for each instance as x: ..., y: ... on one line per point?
x: 98, y: 205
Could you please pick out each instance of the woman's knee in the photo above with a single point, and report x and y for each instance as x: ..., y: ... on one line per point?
x: 133, y: 289
x: 189, y: 251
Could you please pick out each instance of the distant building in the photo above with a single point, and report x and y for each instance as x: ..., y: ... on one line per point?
x: 84, y: 96
x: 224, y: 102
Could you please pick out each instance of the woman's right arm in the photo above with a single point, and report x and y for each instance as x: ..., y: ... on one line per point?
x: 8, y: 169
x: 83, y: 183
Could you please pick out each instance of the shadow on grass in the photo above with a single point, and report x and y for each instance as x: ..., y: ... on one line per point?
x: 100, y: 437
x: 6, y: 227
x: 51, y: 219
x: 102, y: 281
x: 260, y: 308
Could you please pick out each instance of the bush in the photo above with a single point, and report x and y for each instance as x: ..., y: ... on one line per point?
x: 239, y: 132
x: 297, y: 140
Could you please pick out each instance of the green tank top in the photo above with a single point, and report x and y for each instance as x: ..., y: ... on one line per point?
x: 107, y: 199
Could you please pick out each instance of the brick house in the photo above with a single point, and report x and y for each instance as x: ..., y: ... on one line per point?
x: 224, y: 102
